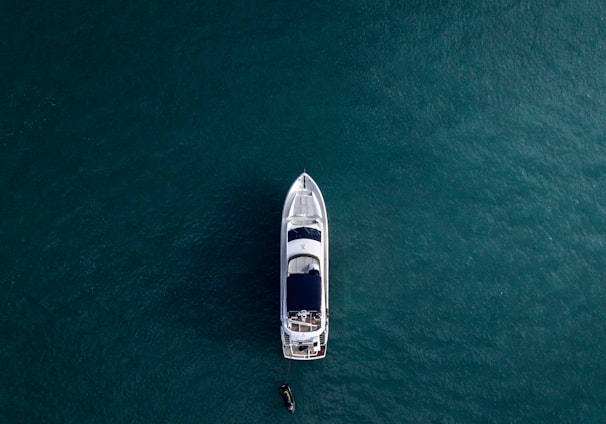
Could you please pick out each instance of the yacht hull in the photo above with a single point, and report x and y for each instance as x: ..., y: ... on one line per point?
x: 304, y: 272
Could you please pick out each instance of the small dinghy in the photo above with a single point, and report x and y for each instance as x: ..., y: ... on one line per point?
x: 289, y: 401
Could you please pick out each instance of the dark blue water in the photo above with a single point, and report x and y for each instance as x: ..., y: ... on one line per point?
x: 146, y: 151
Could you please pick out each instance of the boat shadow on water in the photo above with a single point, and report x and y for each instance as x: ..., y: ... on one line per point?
x: 230, y: 285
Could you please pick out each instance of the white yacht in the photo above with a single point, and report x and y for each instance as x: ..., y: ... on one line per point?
x: 304, y: 272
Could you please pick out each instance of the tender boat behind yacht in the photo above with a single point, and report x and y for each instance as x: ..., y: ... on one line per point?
x: 304, y: 272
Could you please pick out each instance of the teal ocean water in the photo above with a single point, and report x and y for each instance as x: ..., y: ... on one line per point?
x: 146, y: 150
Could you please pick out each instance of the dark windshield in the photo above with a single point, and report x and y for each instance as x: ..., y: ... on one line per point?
x: 305, y: 233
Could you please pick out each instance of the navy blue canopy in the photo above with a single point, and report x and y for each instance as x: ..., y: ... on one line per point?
x: 304, y: 291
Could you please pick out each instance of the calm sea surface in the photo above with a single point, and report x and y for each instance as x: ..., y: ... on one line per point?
x: 145, y: 152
